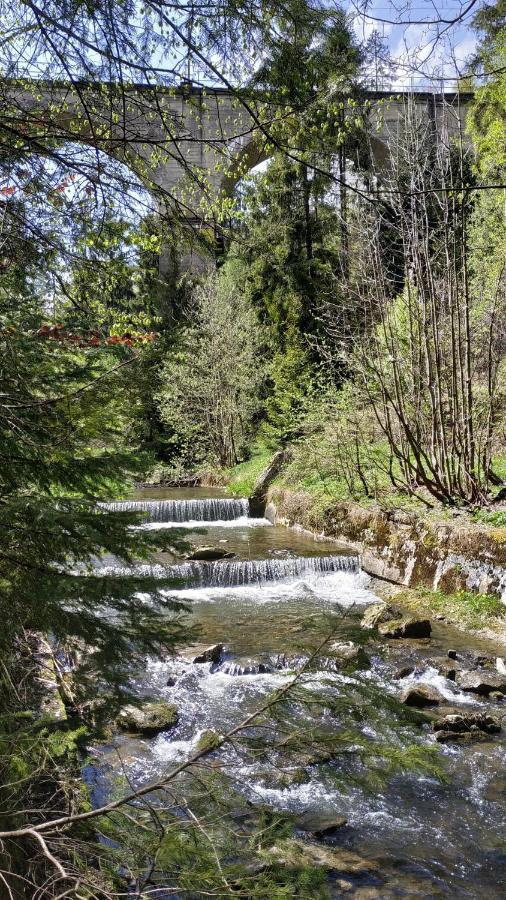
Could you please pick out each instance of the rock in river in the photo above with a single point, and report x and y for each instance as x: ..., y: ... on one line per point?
x: 297, y: 853
x: 483, y: 683
x: 148, y: 719
x: 448, y: 671
x: 405, y: 628
x: 378, y: 613
x: 347, y: 653
x: 211, y: 654
x: 404, y: 672
x: 320, y: 824
x: 461, y: 727
x: 210, y: 554
x: 421, y: 695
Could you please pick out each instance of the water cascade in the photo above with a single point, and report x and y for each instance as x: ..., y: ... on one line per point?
x: 260, y: 571
x: 209, y: 509
x: 240, y: 573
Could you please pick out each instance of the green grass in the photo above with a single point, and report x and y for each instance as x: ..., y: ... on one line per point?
x: 244, y: 475
x: 488, y: 517
x: 463, y: 608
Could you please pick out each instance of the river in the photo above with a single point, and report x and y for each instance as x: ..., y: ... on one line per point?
x: 278, y: 596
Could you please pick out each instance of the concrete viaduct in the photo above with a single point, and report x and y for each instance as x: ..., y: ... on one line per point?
x: 189, y: 145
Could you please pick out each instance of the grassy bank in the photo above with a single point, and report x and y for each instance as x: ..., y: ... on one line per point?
x: 242, y: 478
x: 465, y: 609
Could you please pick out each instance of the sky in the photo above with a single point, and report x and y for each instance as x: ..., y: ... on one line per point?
x: 422, y: 49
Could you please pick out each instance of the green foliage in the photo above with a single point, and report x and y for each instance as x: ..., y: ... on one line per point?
x: 488, y: 116
x: 211, y: 378
x: 293, y: 389
x: 343, y: 454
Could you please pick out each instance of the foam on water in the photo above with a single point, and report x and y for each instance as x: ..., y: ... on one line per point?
x: 297, y: 798
x: 240, y: 522
x: 175, y: 750
x: 448, y: 689
x: 261, y: 571
x: 345, y: 589
x: 240, y: 573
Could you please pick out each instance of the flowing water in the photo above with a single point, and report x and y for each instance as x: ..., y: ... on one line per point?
x: 271, y: 605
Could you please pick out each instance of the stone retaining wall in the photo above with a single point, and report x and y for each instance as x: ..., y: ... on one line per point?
x: 401, y: 546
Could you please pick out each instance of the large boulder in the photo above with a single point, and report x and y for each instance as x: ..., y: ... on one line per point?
x: 405, y: 628
x: 378, y: 613
x: 148, y: 719
x: 483, y: 683
x: 421, y: 695
x: 320, y: 824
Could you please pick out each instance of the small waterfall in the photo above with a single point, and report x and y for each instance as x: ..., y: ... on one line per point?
x: 244, y: 572
x: 260, y: 571
x: 209, y: 509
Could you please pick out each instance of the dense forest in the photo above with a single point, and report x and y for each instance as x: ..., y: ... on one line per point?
x: 340, y: 305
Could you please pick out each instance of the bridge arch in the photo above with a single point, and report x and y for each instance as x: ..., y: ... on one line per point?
x: 165, y: 135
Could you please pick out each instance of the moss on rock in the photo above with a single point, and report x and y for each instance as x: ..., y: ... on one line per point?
x: 148, y: 719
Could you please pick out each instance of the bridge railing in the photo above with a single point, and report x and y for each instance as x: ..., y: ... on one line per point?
x: 412, y: 85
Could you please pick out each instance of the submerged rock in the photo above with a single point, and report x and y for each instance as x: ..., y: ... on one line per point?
x: 377, y: 614
x: 483, y: 683
x: 242, y: 667
x: 210, y: 554
x: 320, y: 824
x: 405, y: 628
x: 282, y: 780
x: 297, y: 853
x: 347, y: 653
x: 211, y: 654
x: 421, y: 695
x: 148, y: 719
x: 465, y: 726
x: 481, y: 660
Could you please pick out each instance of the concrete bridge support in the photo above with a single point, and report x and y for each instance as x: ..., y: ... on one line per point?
x: 190, y: 145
